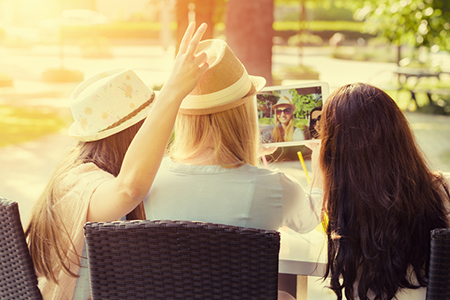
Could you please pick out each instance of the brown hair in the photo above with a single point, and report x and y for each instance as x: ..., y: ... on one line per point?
x: 380, y: 196
x: 232, y: 133
x: 48, y: 243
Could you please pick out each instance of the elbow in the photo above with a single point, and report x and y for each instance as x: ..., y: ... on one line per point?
x: 135, y: 191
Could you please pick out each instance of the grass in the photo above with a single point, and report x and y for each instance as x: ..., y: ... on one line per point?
x: 21, y: 124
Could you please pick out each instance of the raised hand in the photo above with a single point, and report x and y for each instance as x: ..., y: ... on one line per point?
x: 189, y: 67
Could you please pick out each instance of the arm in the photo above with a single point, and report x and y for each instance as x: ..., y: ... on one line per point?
x: 302, y: 210
x: 117, y: 197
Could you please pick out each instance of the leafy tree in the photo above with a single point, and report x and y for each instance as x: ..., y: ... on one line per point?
x: 304, y: 103
x: 406, y: 22
x: 265, y: 103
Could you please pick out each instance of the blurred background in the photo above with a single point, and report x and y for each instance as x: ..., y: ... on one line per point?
x: 47, y: 47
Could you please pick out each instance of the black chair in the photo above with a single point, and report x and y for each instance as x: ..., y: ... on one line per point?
x: 18, y: 278
x: 439, y: 272
x: 181, y: 260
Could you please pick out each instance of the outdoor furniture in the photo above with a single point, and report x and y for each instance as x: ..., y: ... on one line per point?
x: 181, y: 260
x: 405, y: 73
x: 439, y: 271
x: 17, y: 276
x: 301, y: 256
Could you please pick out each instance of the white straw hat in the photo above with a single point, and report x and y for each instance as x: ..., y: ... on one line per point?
x: 108, y: 103
x: 284, y: 101
x: 225, y: 85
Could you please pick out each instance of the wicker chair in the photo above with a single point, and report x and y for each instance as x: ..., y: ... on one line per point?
x: 181, y: 260
x: 18, y: 278
x: 439, y: 272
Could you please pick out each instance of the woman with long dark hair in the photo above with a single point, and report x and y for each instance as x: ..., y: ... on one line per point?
x: 381, y: 198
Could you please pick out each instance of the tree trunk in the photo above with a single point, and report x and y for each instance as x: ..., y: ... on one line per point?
x: 249, y: 33
x: 204, y: 12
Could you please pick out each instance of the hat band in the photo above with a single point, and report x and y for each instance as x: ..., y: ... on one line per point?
x: 132, y: 114
x: 232, y: 93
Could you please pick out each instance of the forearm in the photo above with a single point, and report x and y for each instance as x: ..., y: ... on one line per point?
x: 145, y: 153
x: 139, y: 166
x: 117, y: 197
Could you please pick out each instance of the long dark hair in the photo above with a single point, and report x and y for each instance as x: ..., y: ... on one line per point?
x: 380, y: 196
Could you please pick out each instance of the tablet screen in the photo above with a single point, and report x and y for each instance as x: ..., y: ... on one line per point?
x: 290, y: 115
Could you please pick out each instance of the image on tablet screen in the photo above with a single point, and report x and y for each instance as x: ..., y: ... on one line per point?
x: 290, y: 115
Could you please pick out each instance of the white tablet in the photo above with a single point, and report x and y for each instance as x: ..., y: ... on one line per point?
x: 290, y: 115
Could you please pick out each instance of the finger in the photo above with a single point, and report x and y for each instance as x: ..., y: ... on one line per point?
x: 270, y: 150
x: 203, y: 68
x: 186, y: 38
x: 312, y: 145
x: 193, y: 45
x: 200, y: 58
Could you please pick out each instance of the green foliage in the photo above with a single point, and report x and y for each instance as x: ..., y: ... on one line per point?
x: 320, y: 26
x: 20, y: 124
x: 366, y: 53
x: 413, y: 22
x: 304, y: 103
x: 291, y: 12
x: 265, y: 103
x: 296, y: 72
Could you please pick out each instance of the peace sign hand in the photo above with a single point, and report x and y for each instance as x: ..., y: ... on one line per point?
x: 189, y: 67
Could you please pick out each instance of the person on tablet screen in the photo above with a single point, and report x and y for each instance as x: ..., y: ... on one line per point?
x: 314, y: 123
x: 283, y: 130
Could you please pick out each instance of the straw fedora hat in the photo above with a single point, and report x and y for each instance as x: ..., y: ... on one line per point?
x: 108, y: 103
x: 283, y: 101
x: 225, y: 85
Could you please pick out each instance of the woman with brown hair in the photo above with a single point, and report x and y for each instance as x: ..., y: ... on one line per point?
x: 381, y: 198
x: 122, y: 133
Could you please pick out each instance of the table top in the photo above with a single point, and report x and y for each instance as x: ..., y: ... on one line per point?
x: 417, y: 72
x: 302, y: 254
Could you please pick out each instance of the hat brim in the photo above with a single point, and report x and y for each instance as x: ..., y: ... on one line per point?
x: 283, y: 104
x: 75, y: 132
x: 258, y: 83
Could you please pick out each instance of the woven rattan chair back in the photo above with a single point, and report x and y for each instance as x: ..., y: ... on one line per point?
x: 181, y: 260
x: 439, y: 272
x: 18, y: 278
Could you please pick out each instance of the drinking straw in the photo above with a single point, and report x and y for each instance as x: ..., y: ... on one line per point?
x: 265, y: 161
x: 300, y: 157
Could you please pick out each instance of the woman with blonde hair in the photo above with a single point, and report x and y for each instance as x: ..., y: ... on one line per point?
x: 381, y: 198
x: 122, y: 134
x: 283, y: 130
x: 211, y: 172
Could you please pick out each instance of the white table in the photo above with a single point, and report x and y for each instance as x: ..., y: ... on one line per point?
x: 301, y: 255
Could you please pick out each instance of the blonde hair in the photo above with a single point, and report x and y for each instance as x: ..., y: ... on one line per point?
x: 233, y: 133
x: 49, y: 240
x: 288, y: 135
